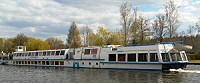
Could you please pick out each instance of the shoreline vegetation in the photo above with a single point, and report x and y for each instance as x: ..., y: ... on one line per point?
x: 194, y: 61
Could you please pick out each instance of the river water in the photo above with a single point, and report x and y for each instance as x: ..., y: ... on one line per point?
x: 27, y: 74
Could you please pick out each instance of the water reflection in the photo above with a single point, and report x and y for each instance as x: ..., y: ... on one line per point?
x: 27, y: 74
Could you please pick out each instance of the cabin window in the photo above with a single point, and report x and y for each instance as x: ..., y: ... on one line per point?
x: 97, y: 63
x: 121, y: 57
x: 36, y: 54
x: 82, y: 63
x: 94, y: 51
x: 165, y: 57
x: 48, y: 53
x: 89, y: 63
x: 62, y: 52
x: 24, y: 54
x: 20, y: 62
x: 20, y: 54
x: 33, y: 53
x: 61, y: 62
x: 56, y: 63
x: 179, y: 57
x: 132, y: 57
x: 153, y: 57
x: 43, y: 62
x: 184, y: 56
x: 44, y: 53
x: 112, y: 57
x: 39, y: 62
x: 87, y: 51
x: 52, y: 62
x: 29, y: 54
x: 20, y: 47
x: 35, y: 62
x: 173, y: 56
x: 57, y: 52
x: 52, y: 52
x: 142, y: 57
x: 47, y: 62
x: 40, y: 53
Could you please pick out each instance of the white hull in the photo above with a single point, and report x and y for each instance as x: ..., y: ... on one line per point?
x: 100, y: 65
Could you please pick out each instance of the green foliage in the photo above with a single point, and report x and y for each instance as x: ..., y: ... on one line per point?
x: 36, y: 44
x: 20, y: 39
x: 104, y: 37
x: 1, y: 44
x: 74, y: 39
x: 191, y: 56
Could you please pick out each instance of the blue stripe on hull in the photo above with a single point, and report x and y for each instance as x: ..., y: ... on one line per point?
x: 142, y: 62
x: 93, y: 68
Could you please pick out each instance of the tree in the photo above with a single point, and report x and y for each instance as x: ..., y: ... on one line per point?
x: 104, y: 37
x: 190, y: 30
x: 1, y: 44
x: 143, y: 28
x: 172, y: 21
x: 55, y: 43
x: 6, y: 45
x: 74, y: 39
x: 158, y: 27
x: 36, y: 44
x: 197, y: 26
x: 125, y: 11
x: 85, y: 31
x: 100, y: 38
x: 134, y: 26
x: 20, y: 39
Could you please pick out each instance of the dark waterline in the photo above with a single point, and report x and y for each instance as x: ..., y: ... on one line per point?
x: 27, y: 74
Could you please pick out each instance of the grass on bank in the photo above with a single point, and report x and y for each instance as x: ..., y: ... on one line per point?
x: 194, y: 61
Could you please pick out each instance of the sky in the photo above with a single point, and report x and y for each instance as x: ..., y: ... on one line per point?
x: 52, y: 18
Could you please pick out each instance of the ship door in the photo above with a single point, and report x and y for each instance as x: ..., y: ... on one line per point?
x: 76, y: 65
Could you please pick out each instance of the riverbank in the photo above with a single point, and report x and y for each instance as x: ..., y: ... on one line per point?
x: 194, y: 62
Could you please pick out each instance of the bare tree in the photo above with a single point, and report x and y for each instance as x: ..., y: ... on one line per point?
x: 197, y: 26
x: 86, y: 31
x: 134, y: 26
x: 143, y: 28
x: 159, y: 26
x: 55, y: 43
x: 190, y: 30
x: 125, y: 11
x: 172, y: 16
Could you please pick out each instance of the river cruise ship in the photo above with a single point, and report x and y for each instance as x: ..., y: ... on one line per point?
x: 143, y: 57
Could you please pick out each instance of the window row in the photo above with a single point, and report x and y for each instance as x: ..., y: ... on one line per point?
x: 42, y: 53
x: 173, y: 57
x: 39, y: 62
x: 90, y: 52
x: 142, y: 57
